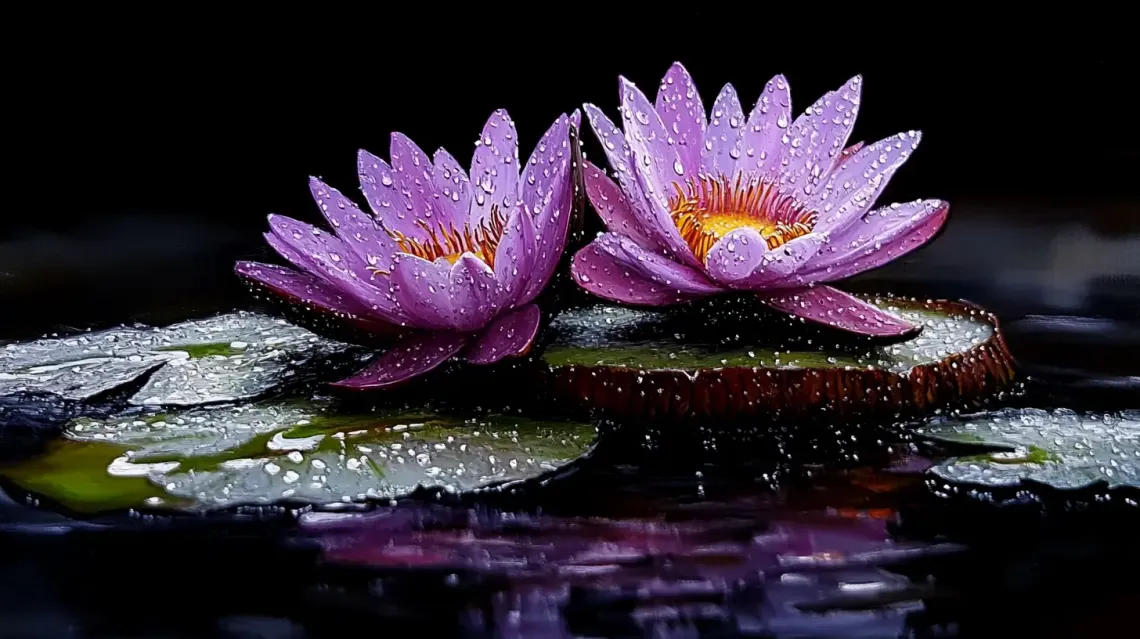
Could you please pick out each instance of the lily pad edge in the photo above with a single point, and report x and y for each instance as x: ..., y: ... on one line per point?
x: 968, y: 379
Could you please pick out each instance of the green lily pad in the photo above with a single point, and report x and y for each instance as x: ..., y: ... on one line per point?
x: 635, y: 363
x: 211, y: 457
x: 1060, y: 449
x: 218, y: 359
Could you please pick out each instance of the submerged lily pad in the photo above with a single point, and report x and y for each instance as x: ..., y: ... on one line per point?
x: 217, y: 359
x: 260, y: 453
x: 1060, y: 449
x: 623, y: 362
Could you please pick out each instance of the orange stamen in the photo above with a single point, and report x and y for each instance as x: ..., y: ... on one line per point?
x: 708, y: 208
x: 451, y: 243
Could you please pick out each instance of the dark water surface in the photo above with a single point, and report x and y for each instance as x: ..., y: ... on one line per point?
x: 614, y: 547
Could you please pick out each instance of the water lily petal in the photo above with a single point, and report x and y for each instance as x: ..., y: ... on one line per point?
x: 834, y: 308
x: 767, y: 124
x: 656, y: 159
x: 514, y: 258
x: 354, y: 227
x: 393, y: 208
x: 724, y: 139
x: 658, y: 224
x: 423, y: 290
x: 683, y: 114
x: 452, y: 189
x: 323, y: 254
x: 495, y: 168
x: 299, y: 288
x: 614, y: 208
x: 651, y: 216
x: 656, y: 268
x: 473, y: 293
x: 886, y: 234
x: 511, y: 335
x: 735, y: 256
x: 547, y: 190
x: 409, y: 359
x: 849, y: 153
x: 782, y: 266
x: 600, y: 273
x: 413, y: 172
x: 817, y: 138
x: 853, y: 188
x: 617, y: 152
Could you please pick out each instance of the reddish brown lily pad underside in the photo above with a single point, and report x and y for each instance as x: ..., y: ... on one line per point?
x: 627, y: 364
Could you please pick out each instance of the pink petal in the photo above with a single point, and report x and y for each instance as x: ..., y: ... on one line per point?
x: 354, y: 227
x: 657, y: 222
x: 409, y: 359
x: 724, y: 139
x: 658, y: 162
x: 654, y: 267
x: 326, y: 256
x: 683, y: 114
x: 782, y: 266
x: 393, y: 208
x: 511, y: 335
x: 853, y: 188
x: 423, y: 291
x: 735, y: 256
x: 614, y: 208
x: 767, y: 124
x: 306, y: 290
x: 597, y: 271
x: 849, y: 153
x: 514, y: 258
x: 886, y: 234
x: 617, y: 151
x: 473, y: 292
x: 495, y: 168
x: 831, y: 307
x: 547, y: 190
x: 817, y: 138
x: 414, y: 175
x: 650, y: 215
x: 452, y: 189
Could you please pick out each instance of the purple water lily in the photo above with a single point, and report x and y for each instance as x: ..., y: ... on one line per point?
x: 449, y: 263
x: 762, y: 203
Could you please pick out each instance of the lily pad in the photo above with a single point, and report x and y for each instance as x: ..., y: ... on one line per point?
x: 625, y: 363
x: 1059, y: 449
x: 260, y: 453
x: 218, y: 359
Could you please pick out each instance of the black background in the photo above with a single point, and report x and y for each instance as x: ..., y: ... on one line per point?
x: 147, y: 157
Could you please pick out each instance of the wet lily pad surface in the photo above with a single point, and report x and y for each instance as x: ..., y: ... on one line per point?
x: 654, y: 340
x: 218, y: 359
x: 725, y: 362
x: 264, y: 452
x: 1059, y: 449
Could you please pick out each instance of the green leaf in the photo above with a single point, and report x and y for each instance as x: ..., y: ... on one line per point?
x: 222, y: 456
x: 1060, y: 449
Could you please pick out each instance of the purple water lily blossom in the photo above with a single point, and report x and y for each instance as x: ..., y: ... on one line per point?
x: 762, y: 203
x: 449, y: 262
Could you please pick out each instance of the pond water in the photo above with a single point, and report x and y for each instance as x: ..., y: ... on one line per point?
x: 195, y: 479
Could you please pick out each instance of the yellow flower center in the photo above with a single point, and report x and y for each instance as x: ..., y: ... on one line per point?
x: 451, y: 243
x: 708, y: 208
